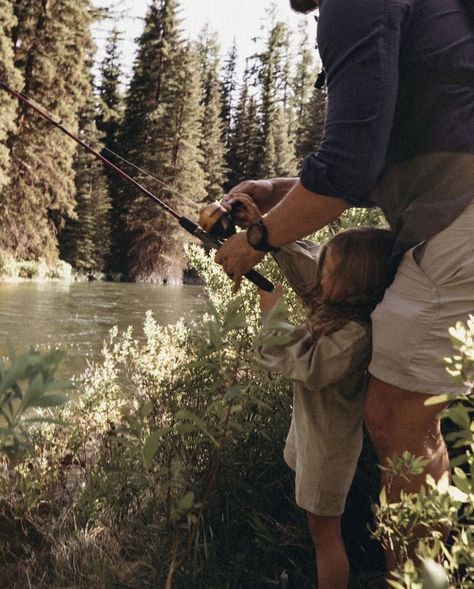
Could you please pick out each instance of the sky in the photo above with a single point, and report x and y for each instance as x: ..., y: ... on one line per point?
x: 241, y: 19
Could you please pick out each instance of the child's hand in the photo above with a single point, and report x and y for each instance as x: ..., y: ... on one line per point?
x: 269, y: 299
x: 247, y: 213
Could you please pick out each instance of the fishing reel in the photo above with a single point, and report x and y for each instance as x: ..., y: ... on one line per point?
x: 217, y: 221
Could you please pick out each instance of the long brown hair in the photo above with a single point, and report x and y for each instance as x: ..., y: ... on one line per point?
x: 361, y: 275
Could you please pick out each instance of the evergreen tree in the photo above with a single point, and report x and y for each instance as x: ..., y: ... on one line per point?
x: 9, y: 74
x: 284, y: 160
x: 312, y: 130
x: 228, y: 90
x: 49, y: 37
x: 161, y: 132
x: 244, y: 150
x: 111, y: 100
x: 304, y: 95
x: 85, y: 242
x: 109, y: 120
x: 212, y: 142
x: 274, y: 84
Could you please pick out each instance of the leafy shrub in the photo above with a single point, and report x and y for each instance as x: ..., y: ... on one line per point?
x: 27, y: 384
x: 7, y: 264
x: 439, y: 505
x: 171, y: 467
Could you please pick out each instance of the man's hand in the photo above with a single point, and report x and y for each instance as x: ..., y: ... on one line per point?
x: 260, y: 191
x: 237, y: 257
x: 248, y: 212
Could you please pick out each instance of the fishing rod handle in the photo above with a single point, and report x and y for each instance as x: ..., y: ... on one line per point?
x: 259, y: 280
x: 213, y: 242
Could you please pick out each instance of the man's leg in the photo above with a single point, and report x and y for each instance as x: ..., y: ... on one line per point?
x: 331, y: 559
x: 398, y: 420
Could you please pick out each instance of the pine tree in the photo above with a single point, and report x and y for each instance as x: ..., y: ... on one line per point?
x: 50, y: 37
x: 212, y: 142
x: 273, y: 75
x: 304, y: 95
x: 11, y: 75
x: 228, y: 91
x: 161, y: 132
x: 312, y: 129
x: 111, y: 100
x: 109, y: 120
x: 284, y: 160
x: 85, y: 241
x: 244, y: 150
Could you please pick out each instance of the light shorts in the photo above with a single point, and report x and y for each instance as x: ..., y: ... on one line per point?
x: 433, y: 289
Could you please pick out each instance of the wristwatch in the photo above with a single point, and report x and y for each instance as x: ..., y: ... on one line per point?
x: 257, y: 237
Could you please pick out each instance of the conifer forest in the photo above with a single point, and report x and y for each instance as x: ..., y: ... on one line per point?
x: 184, y: 117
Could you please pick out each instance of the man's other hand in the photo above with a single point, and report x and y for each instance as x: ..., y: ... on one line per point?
x: 260, y: 191
x: 237, y: 257
x: 248, y: 212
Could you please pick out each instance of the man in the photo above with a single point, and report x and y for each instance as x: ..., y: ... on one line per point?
x: 399, y: 133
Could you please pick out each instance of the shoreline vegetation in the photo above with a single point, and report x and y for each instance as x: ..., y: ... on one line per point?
x: 168, y: 471
x: 18, y: 271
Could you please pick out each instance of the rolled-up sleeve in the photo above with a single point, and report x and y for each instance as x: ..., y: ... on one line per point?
x: 359, y: 43
x: 315, y: 364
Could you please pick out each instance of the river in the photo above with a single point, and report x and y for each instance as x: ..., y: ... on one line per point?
x: 77, y: 316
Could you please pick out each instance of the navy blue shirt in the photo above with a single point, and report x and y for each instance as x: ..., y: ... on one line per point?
x: 399, y: 128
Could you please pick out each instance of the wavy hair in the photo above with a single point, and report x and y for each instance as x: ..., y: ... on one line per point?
x: 361, y: 274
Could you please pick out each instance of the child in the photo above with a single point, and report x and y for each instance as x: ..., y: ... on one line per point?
x: 326, y: 359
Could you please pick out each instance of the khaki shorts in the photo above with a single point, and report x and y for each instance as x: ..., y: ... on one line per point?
x: 433, y: 289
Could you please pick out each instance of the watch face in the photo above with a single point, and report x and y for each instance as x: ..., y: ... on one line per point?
x: 255, y: 234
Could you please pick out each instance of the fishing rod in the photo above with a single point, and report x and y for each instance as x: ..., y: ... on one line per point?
x: 223, y: 226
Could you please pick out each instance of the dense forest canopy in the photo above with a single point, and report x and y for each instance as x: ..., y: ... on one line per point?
x: 185, y: 117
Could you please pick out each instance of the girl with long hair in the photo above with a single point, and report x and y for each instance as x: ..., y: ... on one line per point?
x: 326, y: 359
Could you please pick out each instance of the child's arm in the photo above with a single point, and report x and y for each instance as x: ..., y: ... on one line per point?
x: 315, y: 364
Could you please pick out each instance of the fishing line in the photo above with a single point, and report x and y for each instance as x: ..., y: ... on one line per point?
x: 187, y: 224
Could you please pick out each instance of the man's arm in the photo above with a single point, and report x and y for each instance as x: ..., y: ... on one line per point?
x: 359, y: 42
x: 300, y: 213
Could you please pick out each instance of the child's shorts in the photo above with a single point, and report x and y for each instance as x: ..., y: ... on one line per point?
x: 433, y: 289
x: 324, y: 444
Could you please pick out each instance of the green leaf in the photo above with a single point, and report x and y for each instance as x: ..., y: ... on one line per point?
x: 214, y: 334
x: 437, y: 399
x: 193, y: 418
x: 49, y: 401
x: 234, y: 317
x: 46, y: 420
x: 274, y: 340
x: 232, y: 392
x: 186, y: 428
x: 152, y: 444
x: 434, y: 575
x: 186, y: 502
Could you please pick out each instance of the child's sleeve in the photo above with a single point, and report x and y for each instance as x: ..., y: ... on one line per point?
x: 315, y: 364
x: 298, y: 263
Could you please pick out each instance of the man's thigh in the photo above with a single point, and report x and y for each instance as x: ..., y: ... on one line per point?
x: 433, y: 289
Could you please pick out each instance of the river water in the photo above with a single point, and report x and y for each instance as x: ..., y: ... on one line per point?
x: 76, y: 317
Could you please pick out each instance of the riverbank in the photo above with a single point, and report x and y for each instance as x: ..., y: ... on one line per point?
x: 18, y: 271
x: 13, y: 270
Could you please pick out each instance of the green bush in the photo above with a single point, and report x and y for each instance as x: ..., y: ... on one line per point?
x: 171, y: 466
x: 11, y: 268
x: 27, y: 384
x: 415, y: 524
